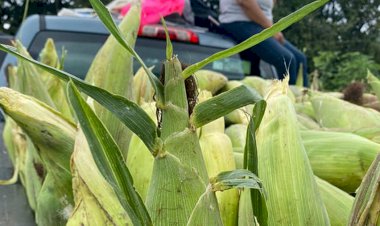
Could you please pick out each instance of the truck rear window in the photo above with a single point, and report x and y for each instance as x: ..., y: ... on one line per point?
x: 82, y: 48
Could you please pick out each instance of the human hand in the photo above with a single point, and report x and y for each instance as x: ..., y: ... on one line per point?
x: 279, y: 37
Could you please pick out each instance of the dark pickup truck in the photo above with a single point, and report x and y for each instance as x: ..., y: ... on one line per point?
x: 82, y: 37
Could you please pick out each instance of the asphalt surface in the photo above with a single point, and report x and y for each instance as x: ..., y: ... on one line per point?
x: 14, y: 207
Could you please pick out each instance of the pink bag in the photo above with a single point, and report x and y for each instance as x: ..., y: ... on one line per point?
x: 152, y: 10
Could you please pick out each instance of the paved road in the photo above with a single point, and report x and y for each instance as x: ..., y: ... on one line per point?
x: 14, y: 207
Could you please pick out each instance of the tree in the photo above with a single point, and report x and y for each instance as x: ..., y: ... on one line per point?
x: 12, y: 11
x: 343, y: 26
x: 345, y: 31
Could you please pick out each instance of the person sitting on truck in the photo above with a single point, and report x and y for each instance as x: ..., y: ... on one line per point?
x: 243, y: 18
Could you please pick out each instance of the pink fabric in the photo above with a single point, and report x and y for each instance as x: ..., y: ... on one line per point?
x: 152, y: 10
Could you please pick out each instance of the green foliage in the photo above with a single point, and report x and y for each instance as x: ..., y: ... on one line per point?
x: 337, y: 69
x: 344, y: 26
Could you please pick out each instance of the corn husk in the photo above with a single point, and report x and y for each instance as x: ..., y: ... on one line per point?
x: 95, y: 201
x: 28, y: 80
x: 52, y: 207
x: 305, y: 108
x: 112, y: 70
x: 338, y: 203
x: 218, y: 156
x: 237, y: 133
x: 210, y: 80
x: 26, y: 162
x: 259, y: 84
x: 238, y: 116
x: 143, y: 91
x: 179, y: 168
x: 341, y: 159
x: 231, y: 85
x: 366, y: 208
x: 53, y: 138
x: 306, y: 122
x: 56, y: 87
x: 140, y: 160
x: 284, y: 167
x: 329, y: 113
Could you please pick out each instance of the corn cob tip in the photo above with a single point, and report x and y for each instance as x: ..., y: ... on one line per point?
x: 278, y: 87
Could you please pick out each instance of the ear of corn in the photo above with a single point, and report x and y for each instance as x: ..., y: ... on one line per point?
x: 231, y: 85
x: 9, y: 133
x: 306, y: 122
x: 284, y: 168
x: 29, y: 82
x: 237, y: 135
x: 180, y: 157
x: 246, y: 216
x: 366, y: 209
x: 34, y: 175
x: 52, y: 207
x: 262, y: 86
x: 329, y: 110
x: 210, y: 80
x: 108, y: 158
x: 340, y: 158
x: 95, y: 201
x: 12, y: 78
x: 53, y: 137
x: 338, y: 203
x: 218, y: 156
x: 112, y: 70
x: 257, y: 83
x: 305, y: 108
x: 140, y: 160
x: 55, y: 86
x: 238, y: 116
x: 26, y: 161
x: 206, y: 211
x: 142, y: 89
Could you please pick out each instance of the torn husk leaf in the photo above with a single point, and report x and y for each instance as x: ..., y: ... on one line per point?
x: 366, y: 209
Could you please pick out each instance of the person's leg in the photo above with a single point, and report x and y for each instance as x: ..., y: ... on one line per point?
x: 301, y: 59
x: 270, y: 50
x: 254, y: 60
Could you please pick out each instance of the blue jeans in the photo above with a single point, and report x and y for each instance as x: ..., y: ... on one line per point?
x: 285, y: 58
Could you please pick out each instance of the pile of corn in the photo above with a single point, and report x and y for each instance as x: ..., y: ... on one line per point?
x: 314, y: 149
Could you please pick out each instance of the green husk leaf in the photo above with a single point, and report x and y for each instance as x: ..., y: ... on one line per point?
x: 128, y: 112
x: 112, y: 70
x: 223, y: 104
x: 239, y: 178
x: 107, y: 20
x: 14, y: 177
x: 366, y: 209
x: 169, y: 46
x: 338, y: 203
x: 255, y: 39
x: 29, y: 80
x: 251, y: 161
x: 205, y: 212
x: 108, y: 158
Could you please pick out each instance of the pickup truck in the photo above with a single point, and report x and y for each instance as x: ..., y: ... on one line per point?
x: 82, y: 37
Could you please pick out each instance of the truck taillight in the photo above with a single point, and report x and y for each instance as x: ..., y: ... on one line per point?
x: 176, y: 34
